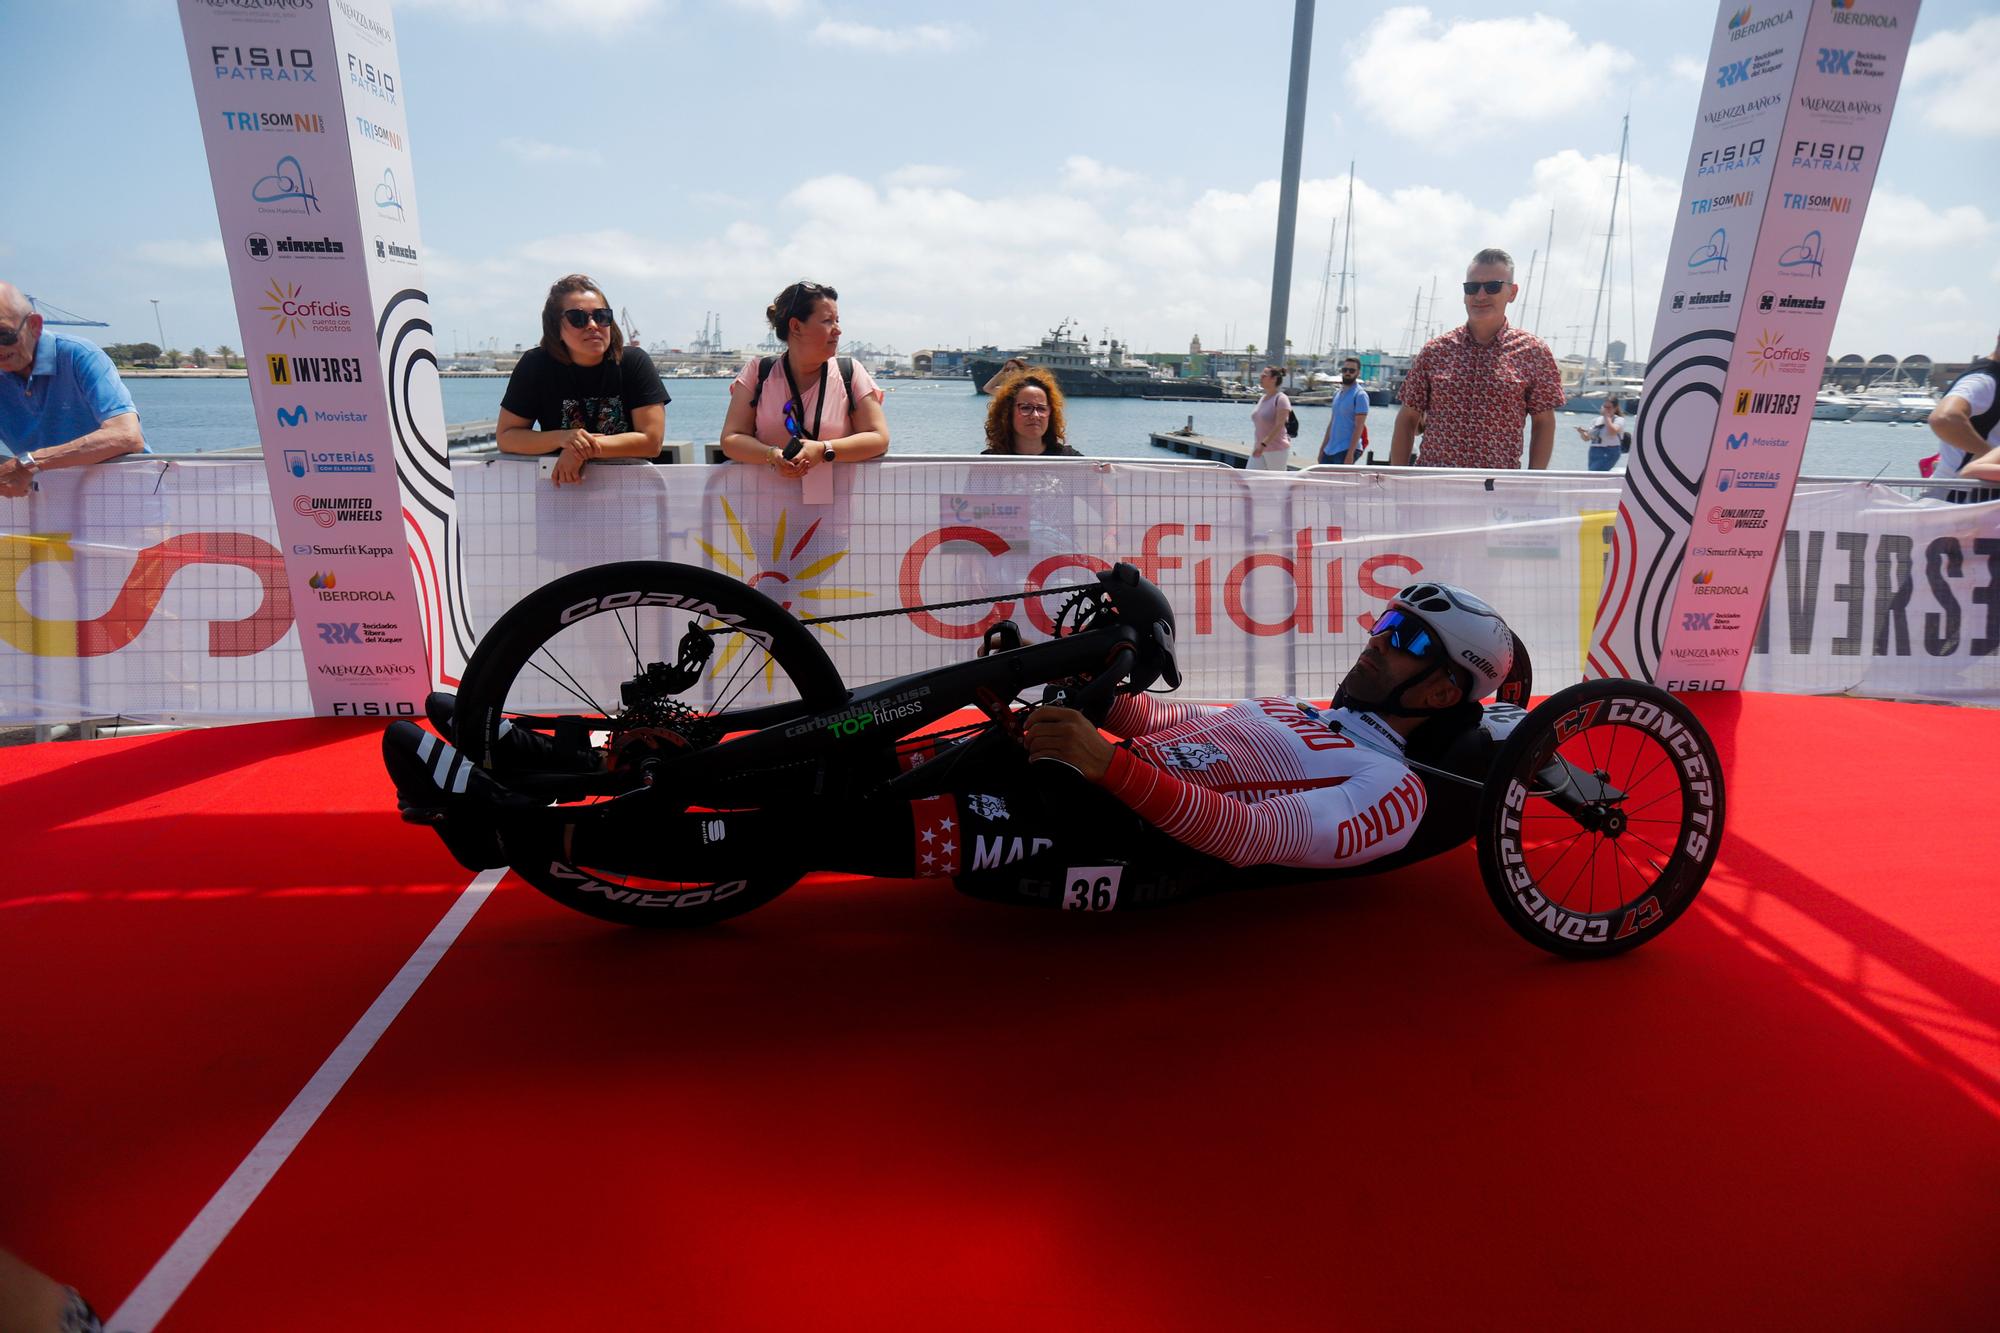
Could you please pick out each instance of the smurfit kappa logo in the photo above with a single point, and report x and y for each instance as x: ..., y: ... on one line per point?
x: 1712, y: 256
x: 286, y: 190
x: 295, y: 417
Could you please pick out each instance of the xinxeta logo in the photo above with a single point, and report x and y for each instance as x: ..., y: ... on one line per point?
x: 1811, y: 155
x: 394, y: 253
x: 273, y: 122
x: 327, y: 510
x: 1735, y: 157
x: 294, y: 417
x: 1772, y: 353
x: 1752, y: 403
x: 1744, y: 479
x: 1712, y: 257
x: 261, y: 247
x: 298, y: 462
x: 368, y: 129
x: 376, y: 82
x: 387, y: 201
x: 1803, y: 258
x: 1744, y: 24
x: 1853, y: 64
x: 1704, y: 300
x: 1845, y: 12
x: 286, y: 190
x: 314, y: 369
x: 292, y: 313
x: 1717, y: 203
x: 1773, y: 301
x: 264, y: 64
x: 1817, y: 203
x: 326, y: 590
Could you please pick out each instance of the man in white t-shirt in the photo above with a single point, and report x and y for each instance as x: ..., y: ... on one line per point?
x: 1967, y: 423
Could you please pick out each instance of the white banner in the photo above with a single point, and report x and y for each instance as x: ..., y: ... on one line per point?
x: 153, y: 589
x: 301, y: 113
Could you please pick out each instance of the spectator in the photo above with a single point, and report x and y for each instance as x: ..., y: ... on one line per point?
x: 1967, y: 424
x: 582, y: 394
x: 1606, y: 437
x: 1346, y: 434
x: 1026, y: 418
x: 843, y: 419
x: 1013, y: 365
x: 1272, y: 451
x: 31, y: 1302
x: 61, y: 401
x: 1471, y: 388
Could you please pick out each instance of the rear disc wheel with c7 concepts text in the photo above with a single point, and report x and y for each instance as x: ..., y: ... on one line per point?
x: 1602, y: 818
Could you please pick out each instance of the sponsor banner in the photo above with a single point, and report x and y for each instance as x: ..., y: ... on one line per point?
x: 1818, y: 195
x: 120, y: 595
x: 283, y: 101
x: 1770, y: 205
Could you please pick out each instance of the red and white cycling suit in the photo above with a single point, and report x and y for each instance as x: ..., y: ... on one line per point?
x: 1272, y: 781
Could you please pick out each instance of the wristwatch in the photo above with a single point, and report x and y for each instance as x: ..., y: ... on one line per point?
x: 31, y: 464
x: 827, y: 453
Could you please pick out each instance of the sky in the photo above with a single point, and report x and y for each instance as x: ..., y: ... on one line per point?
x: 971, y: 175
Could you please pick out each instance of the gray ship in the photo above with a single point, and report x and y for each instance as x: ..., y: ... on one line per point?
x: 1066, y: 353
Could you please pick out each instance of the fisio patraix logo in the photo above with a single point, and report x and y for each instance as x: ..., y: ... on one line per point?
x: 264, y: 64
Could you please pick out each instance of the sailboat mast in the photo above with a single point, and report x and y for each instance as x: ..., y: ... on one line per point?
x: 1340, y: 328
x: 1604, y: 271
x: 1542, y: 297
x: 1325, y: 284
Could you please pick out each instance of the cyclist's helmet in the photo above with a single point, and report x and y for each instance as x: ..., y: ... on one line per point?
x: 1476, y: 640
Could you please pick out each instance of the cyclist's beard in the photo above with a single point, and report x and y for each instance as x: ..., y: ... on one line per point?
x: 1390, y: 702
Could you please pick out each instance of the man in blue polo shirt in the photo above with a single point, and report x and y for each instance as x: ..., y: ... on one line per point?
x: 1350, y: 410
x: 61, y: 401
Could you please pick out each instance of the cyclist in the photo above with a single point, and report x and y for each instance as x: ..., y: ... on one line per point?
x: 1271, y: 782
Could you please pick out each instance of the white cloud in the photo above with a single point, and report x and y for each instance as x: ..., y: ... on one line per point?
x: 1949, y: 77
x: 1686, y: 69
x: 782, y: 9
x: 1898, y: 223
x: 1474, y: 78
x: 601, y: 16
x: 1087, y: 173
x: 536, y: 151
x: 921, y: 173
x: 183, y: 254
x: 892, y: 41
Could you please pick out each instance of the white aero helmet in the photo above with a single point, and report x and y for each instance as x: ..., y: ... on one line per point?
x: 1475, y: 638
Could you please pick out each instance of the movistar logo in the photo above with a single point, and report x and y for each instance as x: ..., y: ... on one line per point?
x: 295, y: 417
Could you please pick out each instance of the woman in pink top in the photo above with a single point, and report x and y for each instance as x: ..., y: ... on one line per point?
x: 804, y: 396
x: 1273, y: 450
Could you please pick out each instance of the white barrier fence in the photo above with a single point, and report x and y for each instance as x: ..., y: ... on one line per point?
x: 154, y: 589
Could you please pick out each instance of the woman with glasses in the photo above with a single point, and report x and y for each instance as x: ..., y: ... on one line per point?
x: 810, y: 407
x: 1025, y: 417
x: 1273, y: 450
x: 583, y: 393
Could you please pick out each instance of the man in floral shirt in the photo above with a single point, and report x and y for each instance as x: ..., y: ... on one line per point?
x: 1471, y: 388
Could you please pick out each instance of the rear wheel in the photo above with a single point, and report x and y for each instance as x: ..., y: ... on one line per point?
x: 591, y: 683
x: 1602, y: 818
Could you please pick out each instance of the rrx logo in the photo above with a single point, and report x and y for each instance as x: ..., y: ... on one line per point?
x: 335, y: 632
x: 1694, y: 622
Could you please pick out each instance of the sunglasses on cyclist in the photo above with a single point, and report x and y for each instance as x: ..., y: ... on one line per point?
x: 578, y: 319
x: 1491, y: 288
x: 1408, y: 634
x: 8, y: 337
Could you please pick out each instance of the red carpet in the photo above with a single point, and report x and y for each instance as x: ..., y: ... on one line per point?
x: 873, y: 1105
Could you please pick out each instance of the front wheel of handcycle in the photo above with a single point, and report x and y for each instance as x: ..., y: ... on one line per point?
x: 592, y: 684
x: 1601, y: 819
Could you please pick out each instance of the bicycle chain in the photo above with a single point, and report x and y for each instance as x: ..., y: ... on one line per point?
x: 946, y: 606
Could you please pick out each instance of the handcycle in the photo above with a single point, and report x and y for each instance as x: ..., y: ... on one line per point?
x: 655, y: 675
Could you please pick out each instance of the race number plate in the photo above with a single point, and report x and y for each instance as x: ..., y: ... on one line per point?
x: 1091, y: 888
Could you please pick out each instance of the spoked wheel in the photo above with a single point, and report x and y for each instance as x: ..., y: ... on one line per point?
x: 1602, y: 818
x: 585, y: 688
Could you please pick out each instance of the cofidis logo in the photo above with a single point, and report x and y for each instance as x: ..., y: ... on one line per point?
x: 1771, y: 354
x: 293, y: 312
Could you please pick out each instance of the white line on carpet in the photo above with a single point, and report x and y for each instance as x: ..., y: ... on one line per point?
x: 156, y: 1294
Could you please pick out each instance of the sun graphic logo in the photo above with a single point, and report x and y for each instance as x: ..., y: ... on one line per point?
x: 284, y: 300
x: 782, y: 572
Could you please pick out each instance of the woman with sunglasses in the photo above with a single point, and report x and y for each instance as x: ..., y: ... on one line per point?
x: 811, y: 406
x: 1273, y: 450
x: 583, y: 393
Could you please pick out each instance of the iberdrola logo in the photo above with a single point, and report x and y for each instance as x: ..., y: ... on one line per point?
x: 1702, y: 576
x: 1740, y: 17
x: 799, y: 588
x: 321, y: 581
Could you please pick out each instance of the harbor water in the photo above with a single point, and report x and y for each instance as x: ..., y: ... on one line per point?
x: 947, y: 417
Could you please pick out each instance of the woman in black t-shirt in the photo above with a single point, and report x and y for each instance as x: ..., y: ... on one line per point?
x: 583, y: 393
